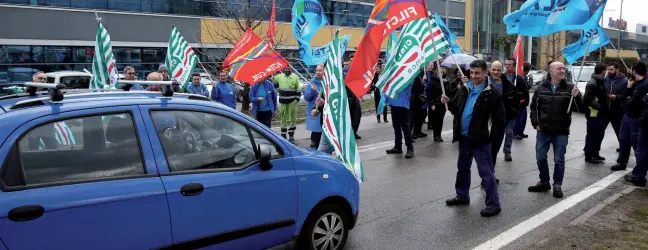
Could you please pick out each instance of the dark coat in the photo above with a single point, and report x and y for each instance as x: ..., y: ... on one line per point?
x: 596, y: 97
x: 549, y: 109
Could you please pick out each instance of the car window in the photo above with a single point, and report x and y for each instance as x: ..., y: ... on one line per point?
x: 260, y: 139
x: 81, y: 148
x: 196, y: 141
x: 76, y: 82
x: 50, y: 79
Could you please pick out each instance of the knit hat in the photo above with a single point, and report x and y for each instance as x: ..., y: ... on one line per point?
x: 162, y: 67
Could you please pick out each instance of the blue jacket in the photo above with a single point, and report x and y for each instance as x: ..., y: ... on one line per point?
x: 403, y: 99
x: 313, y: 122
x: 616, y: 86
x: 201, y: 89
x: 223, y: 92
x: 271, y: 96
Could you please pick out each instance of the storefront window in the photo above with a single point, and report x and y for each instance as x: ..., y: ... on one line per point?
x: 128, y: 55
x: 83, y: 54
x: 59, y: 3
x: 153, y: 55
x: 58, y: 54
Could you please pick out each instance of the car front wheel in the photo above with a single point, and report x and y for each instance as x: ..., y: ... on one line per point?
x: 327, y: 228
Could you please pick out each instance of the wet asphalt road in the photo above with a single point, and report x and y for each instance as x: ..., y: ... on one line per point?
x: 402, y: 201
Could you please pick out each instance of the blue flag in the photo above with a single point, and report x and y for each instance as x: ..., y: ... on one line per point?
x: 576, y: 50
x: 544, y: 17
x: 308, y: 18
x: 449, y: 36
x: 320, y: 54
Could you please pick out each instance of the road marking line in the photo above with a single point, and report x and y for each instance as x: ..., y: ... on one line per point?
x: 526, y: 226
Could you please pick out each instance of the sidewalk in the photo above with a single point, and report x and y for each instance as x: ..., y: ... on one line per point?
x: 621, y: 224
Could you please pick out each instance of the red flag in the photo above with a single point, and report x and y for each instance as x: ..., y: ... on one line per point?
x: 518, y: 53
x: 386, y: 17
x: 271, y: 26
x: 252, y: 59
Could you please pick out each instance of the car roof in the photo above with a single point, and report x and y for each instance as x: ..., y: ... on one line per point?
x: 67, y: 73
x: 85, y: 99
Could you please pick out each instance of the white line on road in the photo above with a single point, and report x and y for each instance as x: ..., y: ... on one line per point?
x: 386, y: 144
x: 526, y: 226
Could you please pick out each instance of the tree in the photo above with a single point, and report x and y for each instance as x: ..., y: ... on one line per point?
x: 550, y: 47
x: 239, y: 15
x: 506, y: 42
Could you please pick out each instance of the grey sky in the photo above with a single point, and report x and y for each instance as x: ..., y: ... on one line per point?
x: 634, y: 11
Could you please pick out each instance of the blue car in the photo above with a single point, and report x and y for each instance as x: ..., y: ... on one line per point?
x: 149, y: 170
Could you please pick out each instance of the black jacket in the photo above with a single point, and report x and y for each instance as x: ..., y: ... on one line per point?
x: 596, y: 97
x: 488, y: 109
x: 617, y: 86
x: 522, y: 89
x: 510, y: 98
x: 418, y: 97
x: 549, y: 109
x: 634, y: 97
x: 434, y: 91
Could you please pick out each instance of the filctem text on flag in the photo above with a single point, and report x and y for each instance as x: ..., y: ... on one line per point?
x: 404, y: 14
x: 271, y: 68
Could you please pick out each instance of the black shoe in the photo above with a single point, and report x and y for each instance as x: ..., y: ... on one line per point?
x: 507, y: 157
x: 557, y: 192
x: 409, y: 154
x: 386, y: 121
x: 357, y: 137
x: 438, y: 139
x: 490, y: 211
x: 312, y: 145
x: 540, y: 187
x: 414, y: 136
x: 421, y: 135
x: 378, y: 120
x: 497, y: 181
x: 628, y: 178
x: 619, y: 167
x: 618, y: 150
x: 592, y: 160
x: 598, y: 157
x: 518, y: 137
x: 525, y: 136
x: 394, y: 151
x: 456, y: 201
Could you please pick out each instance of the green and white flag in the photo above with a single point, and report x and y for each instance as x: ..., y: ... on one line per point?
x: 337, y: 119
x: 181, y: 59
x: 62, y: 134
x: 415, y: 48
x: 104, y: 70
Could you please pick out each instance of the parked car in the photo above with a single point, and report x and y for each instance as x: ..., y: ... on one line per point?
x: 71, y: 79
x: 141, y: 170
x: 585, y: 76
x: 538, y: 76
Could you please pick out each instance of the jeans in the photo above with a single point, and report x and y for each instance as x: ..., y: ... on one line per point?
x: 482, y: 156
x: 265, y: 117
x: 639, y: 171
x: 508, y: 141
x: 628, y: 138
x: 559, y: 142
x: 325, y: 146
x: 400, y: 123
x: 521, y: 121
x: 594, y: 137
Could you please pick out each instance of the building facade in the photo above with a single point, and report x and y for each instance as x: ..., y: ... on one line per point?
x: 53, y: 35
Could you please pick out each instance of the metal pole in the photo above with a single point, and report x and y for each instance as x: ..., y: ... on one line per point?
x: 437, y: 61
x: 619, y: 26
x: 579, y: 72
x: 619, y: 55
x: 530, y: 49
x: 447, y: 13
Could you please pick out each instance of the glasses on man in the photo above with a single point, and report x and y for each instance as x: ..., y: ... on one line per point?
x: 130, y: 73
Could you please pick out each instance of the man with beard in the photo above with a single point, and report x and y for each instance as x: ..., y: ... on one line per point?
x: 615, y: 85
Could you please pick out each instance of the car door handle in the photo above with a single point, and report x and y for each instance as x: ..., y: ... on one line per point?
x: 26, y: 213
x: 192, y: 189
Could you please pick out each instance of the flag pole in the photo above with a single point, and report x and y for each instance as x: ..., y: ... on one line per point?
x: 571, y: 100
x: 619, y: 55
x: 437, y: 61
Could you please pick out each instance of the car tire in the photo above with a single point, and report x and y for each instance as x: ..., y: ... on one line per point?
x: 316, y: 224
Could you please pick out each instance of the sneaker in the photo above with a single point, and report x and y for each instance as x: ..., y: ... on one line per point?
x: 456, y: 201
x: 490, y: 211
x: 518, y: 137
x: 410, y: 153
x: 557, y: 192
x: 600, y: 158
x: 619, y: 167
x: 540, y: 187
x: 628, y: 178
x: 592, y: 160
x: 507, y: 157
x: 394, y: 151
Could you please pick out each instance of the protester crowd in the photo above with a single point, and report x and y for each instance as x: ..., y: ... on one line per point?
x: 490, y: 107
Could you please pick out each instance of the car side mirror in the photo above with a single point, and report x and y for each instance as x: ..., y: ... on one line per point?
x: 264, y: 157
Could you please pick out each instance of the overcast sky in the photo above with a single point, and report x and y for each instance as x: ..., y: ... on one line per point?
x: 634, y: 11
